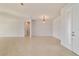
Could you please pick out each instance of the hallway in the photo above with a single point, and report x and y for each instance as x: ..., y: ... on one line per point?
x: 37, y: 46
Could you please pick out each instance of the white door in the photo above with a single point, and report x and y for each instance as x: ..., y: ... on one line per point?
x: 75, y: 29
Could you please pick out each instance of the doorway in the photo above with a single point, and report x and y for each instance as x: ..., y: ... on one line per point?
x: 27, y: 29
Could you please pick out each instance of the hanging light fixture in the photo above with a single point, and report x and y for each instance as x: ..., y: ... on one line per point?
x: 44, y: 18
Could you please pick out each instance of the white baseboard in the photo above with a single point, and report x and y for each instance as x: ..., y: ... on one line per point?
x: 11, y: 35
x: 42, y: 35
x: 76, y: 52
x: 68, y: 47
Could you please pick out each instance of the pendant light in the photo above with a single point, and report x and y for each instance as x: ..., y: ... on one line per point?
x: 44, y: 18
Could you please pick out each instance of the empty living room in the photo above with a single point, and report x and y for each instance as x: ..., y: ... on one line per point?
x: 39, y: 29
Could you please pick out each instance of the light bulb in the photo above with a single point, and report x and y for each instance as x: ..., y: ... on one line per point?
x: 44, y: 22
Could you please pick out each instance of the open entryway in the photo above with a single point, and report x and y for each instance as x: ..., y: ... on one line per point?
x: 27, y: 28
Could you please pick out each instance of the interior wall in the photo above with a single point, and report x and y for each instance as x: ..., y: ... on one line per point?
x: 66, y: 16
x: 62, y: 27
x: 11, y: 26
x: 56, y: 27
x: 41, y: 29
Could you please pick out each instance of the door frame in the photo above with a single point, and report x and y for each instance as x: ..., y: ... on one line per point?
x: 30, y: 27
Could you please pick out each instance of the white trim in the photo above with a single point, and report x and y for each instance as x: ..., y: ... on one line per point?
x: 66, y: 46
x: 11, y: 35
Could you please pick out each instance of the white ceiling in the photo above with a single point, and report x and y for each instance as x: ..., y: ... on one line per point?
x: 35, y: 10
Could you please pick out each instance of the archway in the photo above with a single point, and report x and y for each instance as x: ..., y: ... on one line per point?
x: 27, y: 25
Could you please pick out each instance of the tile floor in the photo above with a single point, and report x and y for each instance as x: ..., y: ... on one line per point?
x: 36, y: 46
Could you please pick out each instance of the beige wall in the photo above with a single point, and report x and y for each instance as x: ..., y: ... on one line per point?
x: 42, y: 29
x: 10, y: 26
